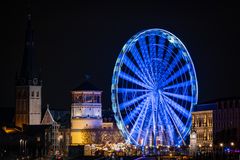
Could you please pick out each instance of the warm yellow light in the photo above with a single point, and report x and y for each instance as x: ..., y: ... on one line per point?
x: 221, y: 144
x: 232, y: 143
x: 199, y: 145
x: 210, y: 145
x: 9, y: 130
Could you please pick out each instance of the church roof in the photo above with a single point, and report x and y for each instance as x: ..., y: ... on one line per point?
x: 29, y: 68
x: 86, y: 86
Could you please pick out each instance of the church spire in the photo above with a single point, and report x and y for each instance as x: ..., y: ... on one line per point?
x: 29, y: 74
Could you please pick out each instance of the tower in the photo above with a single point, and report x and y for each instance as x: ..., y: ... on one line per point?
x: 86, y: 111
x: 28, y: 84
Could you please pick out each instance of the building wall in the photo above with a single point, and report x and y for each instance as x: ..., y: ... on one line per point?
x: 96, y: 136
x: 87, y: 110
x: 202, y: 124
x: 86, y: 123
x: 35, y: 105
x: 227, y: 122
x: 28, y: 105
x: 22, y: 106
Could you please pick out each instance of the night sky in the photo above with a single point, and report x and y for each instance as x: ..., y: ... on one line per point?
x: 75, y: 38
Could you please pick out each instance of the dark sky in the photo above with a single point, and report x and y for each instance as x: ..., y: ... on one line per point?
x: 74, y: 38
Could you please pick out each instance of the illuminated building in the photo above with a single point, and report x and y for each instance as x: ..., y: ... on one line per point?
x: 87, y: 125
x: 58, y: 134
x: 202, y: 126
x: 86, y: 108
x: 216, y: 122
x: 28, y: 85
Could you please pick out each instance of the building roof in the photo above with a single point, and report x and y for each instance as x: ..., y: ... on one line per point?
x: 220, y: 99
x: 29, y: 68
x: 60, y: 115
x: 204, y: 107
x: 86, y: 86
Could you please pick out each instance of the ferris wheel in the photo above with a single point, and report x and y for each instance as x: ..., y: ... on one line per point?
x: 154, y: 88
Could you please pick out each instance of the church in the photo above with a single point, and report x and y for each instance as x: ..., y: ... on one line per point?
x: 80, y: 124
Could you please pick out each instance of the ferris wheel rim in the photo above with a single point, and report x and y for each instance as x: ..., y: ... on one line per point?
x: 117, y: 69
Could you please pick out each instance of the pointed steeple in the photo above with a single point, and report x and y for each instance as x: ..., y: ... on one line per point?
x: 29, y: 74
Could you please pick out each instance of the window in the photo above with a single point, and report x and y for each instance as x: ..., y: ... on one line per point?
x: 37, y: 93
x: 32, y: 93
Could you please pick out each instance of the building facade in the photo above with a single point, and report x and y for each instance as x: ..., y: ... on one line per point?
x: 202, y: 126
x: 216, y: 123
x: 226, y: 126
x: 28, y: 85
x: 87, y: 124
x: 57, y: 135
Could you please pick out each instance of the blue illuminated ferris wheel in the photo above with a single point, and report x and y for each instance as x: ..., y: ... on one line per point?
x: 154, y: 88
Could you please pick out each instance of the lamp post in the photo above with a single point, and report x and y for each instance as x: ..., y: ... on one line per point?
x: 221, y: 145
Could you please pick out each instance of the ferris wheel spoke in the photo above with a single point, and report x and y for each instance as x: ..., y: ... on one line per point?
x: 131, y: 90
x: 176, y: 75
x: 141, y: 63
x: 178, y: 85
x: 176, y: 119
x: 152, y: 47
x: 129, y: 78
x: 160, y: 47
x: 168, y: 125
x: 177, y: 106
x: 137, y: 127
x: 171, y: 67
x: 147, y: 128
x: 146, y: 56
x: 136, y: 111
x: 135, y: 70
x: 132, y: 101
x: 168, y: 54
x: 159, y: 128
x: 153, y: 53
x: 182, y: 97
x: 178, y: 124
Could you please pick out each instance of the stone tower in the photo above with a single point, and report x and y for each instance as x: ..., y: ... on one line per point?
x: 28, y: 84
x: 86, y: 111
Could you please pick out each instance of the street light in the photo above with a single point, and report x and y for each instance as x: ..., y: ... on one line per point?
x: 232, y: 144
x: 221, y: 145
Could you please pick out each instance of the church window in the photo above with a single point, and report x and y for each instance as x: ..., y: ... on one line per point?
x: 32, y: 93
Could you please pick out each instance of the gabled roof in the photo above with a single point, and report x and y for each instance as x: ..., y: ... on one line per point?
x: 86, y: 86
x: 61, y: 116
